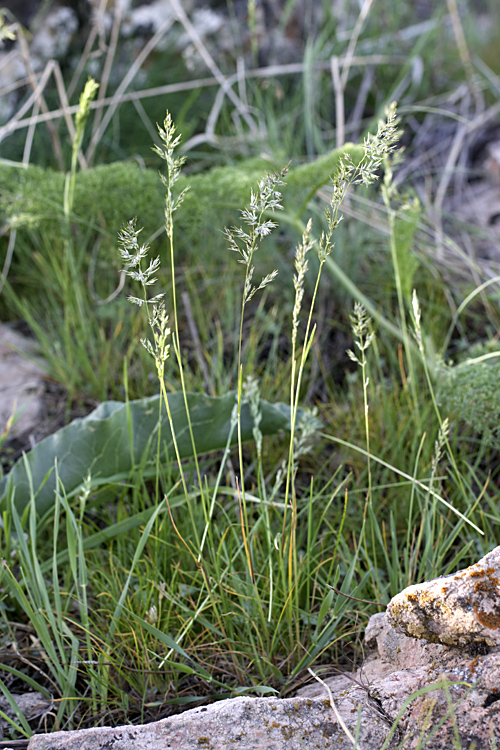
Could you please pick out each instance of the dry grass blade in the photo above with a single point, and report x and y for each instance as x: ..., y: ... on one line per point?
x: 359, y: 107
x: 18, y: 121
x: 349, y: 56
x: 13, y: 123
x: 116, y: 99
x: 30, y: 134
x: 464, y: 52
x: 108, y: 64
x: 143, y: 115
x: 40, y: 99
x: 96, y: 29
x: 339, y: 101
x: 212, y: 65
x: 339, y: 718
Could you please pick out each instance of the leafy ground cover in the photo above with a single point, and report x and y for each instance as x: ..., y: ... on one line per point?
x: 179, y: 576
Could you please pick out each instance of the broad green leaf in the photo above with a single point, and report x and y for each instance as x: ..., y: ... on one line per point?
x: 100, y: 443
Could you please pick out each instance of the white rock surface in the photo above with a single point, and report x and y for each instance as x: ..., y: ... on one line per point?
x: 243, y: 723
x: 21, y: 383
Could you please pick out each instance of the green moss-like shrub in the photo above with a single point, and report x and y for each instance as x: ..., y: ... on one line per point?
x: 469, y: 393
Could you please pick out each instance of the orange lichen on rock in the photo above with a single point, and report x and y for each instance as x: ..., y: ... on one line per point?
x: 456, y: 610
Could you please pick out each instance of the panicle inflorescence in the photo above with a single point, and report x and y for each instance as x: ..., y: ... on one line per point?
x: 86, y: 98
x: 439, y: 444
x: 300, y: 274
x: 158, y: 322
x: 377, y: 149
x: 361, y: 328
x: 174, y: 165
x: 132, y: 254
x: 244, y: 242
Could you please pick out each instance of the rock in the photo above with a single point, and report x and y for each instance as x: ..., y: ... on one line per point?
x: 245, y: 723
x: 31, y: 705
x: 435, y: 660
x: 460, y: 609
x: 430, y: 677
x: 21, y: 383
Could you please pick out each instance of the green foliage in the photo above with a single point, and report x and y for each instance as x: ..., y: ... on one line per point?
x: 107, y: 196
x: 116, y: 438
x: 469, y: 393
x: 223, y: 588
x: 132, y: 613
x: 79, y: 339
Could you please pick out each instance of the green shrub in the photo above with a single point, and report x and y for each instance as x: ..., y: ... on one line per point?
x: 469, y: 393
x: 108, y: 195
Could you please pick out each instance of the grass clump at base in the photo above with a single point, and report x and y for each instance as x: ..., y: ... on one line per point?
x: 235, y: 550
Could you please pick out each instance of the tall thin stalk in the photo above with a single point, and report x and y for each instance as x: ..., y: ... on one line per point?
x: 376, y: 149
x: 388, y: 193
x: 69, y: 278
x: 245, y: 242
x: 174, y: 164
x: 363, y: 337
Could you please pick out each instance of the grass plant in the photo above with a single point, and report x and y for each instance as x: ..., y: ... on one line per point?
x: 223, y: 587
x: 212, y: 579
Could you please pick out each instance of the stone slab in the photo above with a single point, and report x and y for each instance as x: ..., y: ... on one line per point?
x: 243, y: 723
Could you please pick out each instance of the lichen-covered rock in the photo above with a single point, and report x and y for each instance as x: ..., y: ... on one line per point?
x: 431, y: 692
x: 460, y: 609
x: 245, y: 723
x: 398, y: 649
